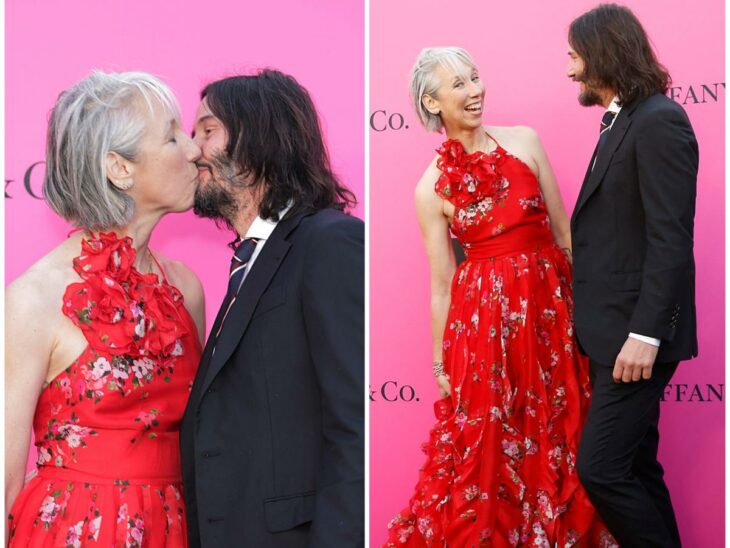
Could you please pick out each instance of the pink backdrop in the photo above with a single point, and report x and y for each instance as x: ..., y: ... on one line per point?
x: 521, y: 49
x: 51, y: 45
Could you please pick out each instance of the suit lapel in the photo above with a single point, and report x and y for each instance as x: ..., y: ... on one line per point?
x: 207, y: 353
x: 584, y: 186
x: 256, y: 282
x: 593, y: 178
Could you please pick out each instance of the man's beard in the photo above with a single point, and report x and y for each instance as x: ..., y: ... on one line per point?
x: 589, y: 96
x: 216, y: 199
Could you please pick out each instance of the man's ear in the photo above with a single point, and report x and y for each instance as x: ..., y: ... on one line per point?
x: 119, y: 171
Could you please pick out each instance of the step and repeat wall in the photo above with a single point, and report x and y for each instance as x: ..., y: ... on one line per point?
x: 521, y: 51
x: 51, y: 45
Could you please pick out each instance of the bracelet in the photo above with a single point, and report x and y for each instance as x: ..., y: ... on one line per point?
x: 438, y: 369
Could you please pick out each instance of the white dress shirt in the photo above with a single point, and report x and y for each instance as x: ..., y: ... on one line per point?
x: 260, y: 229
x: 612, y: 107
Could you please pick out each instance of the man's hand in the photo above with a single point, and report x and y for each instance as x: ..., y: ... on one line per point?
x: 635, y: 361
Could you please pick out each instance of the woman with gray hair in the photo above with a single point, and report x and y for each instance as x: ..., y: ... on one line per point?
x: 500, y: 467
x: 103, y: 335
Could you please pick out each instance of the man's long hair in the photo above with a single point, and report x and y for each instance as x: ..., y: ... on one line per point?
x: 276, y: 141
x: 617, y: 53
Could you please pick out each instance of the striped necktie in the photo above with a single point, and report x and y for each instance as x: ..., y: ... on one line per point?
x: 606, y: 122
x: 239, y: 262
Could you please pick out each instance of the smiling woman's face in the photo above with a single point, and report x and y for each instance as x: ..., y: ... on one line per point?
x: 459, y: 99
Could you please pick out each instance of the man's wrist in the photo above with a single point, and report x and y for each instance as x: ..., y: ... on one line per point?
x: 643, y: 338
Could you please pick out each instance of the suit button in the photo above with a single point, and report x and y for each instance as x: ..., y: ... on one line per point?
x: 211, y: 453
x: 210, y: 391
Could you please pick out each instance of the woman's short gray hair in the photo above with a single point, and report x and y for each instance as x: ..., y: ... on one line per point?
x: 102, y: 113
x: 423, y: 81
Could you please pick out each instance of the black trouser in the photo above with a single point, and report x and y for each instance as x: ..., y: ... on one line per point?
x: 617, y: 458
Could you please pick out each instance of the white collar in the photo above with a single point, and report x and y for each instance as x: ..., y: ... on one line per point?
x: 614, y: 106
x: 261, y: 229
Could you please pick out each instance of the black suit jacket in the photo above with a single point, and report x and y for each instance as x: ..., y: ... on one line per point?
x: 273, y: 436
x: 633, y: 235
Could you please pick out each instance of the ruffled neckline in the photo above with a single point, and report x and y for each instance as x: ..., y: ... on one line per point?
x: 119, y: 309
x: 465, y: 177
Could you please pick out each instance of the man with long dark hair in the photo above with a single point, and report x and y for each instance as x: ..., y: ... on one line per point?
x: 632, y: 233
x: 273, y: 435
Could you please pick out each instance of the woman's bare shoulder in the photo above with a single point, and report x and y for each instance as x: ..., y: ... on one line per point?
x: 427, y: 182
x: 522, y: 134
x: 38, y: 291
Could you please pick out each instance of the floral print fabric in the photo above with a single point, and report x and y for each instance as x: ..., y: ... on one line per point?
x: 106, y: 428
x: 500, y: 461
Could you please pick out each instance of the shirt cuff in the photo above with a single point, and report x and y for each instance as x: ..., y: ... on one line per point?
x: 650, y: 340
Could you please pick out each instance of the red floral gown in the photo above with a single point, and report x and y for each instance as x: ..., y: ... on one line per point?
x: 106, y: 428
x: 500, y: 468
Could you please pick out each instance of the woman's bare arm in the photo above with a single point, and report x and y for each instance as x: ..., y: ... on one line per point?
x: 29, y: 339
x: 437, y: 241
x: 559, y: 221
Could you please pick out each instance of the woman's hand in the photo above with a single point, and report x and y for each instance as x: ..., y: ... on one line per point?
x: 568, y: 254
x: 444, y: 385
